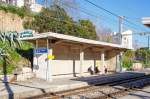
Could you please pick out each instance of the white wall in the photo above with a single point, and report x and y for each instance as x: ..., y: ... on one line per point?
x: 20, y: 3
x: 40, y: 65
x: 127, y: 39
x: 36, y: 7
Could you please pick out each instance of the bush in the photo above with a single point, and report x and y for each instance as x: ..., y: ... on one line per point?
x: 128, y: 59
x: 127, y: 63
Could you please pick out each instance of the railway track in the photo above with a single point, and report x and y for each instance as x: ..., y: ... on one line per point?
x: 100, y: 91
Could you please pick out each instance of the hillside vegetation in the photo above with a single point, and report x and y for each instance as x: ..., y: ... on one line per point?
x: 55, y: 19
x: 22, y: 12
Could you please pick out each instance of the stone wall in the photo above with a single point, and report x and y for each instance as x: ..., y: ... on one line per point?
x: 10, y: 22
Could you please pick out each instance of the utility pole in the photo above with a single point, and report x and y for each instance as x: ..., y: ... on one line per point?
x: 121, y: 19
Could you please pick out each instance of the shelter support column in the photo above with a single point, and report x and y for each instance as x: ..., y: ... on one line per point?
x: 103, y: 60
x: 49, y: 62
x: 35, y: 58
x: 120, y: 59
x: 119, y: 62
x: 81, y: 60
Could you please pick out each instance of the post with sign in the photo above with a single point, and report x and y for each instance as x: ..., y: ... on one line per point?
x: 42, y: 62
x: 50, y: 57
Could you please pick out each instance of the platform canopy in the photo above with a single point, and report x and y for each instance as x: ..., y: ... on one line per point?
x: 72, y: 39
x: 55, y: 42
x: 146, y: 21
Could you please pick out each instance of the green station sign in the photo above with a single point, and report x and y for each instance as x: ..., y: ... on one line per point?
x: 26, y: 33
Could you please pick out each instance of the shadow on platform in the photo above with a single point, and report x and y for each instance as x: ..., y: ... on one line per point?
x: 105, y: 79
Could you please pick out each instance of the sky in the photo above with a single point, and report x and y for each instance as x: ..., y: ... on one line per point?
x: 133, y: 10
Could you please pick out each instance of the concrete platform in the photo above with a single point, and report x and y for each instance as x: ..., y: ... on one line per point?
x: 146, y: 71
x: 35, y: 87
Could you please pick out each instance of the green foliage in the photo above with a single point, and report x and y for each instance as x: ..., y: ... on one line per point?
x: 26, y: 46
x: 22, y: 12
x: 140, y: 55
x: 127, y: 63
x: 88, y: 29
x: 55, y: 19
x: 14, y: 57
x: 1, y: 65
x: 10, y: 68
x: 145, y: 54
x: 127, y: 59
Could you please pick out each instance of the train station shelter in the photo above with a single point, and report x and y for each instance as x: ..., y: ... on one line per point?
x: 58, y: 55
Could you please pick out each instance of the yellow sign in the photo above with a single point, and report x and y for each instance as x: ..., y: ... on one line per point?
x: 51, y: 56
x: 97, y: 63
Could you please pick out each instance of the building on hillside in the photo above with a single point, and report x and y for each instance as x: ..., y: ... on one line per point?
x: 18, y: 3
x: 35, y: 7
x: 58, y: 55
x: 13, y: 2
x: 32, y: 4
x: 146, y: 21
x: 125, y: 38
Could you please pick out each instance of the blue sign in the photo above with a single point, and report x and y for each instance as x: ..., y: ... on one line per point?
x: 41, y: 51
x: 137, y: 58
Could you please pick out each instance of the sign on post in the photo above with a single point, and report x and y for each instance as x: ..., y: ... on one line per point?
x: 41, y: 51
x: 51, y: 56
x: 26, y: 33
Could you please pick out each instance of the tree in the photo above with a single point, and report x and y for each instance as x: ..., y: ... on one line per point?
x: 10, y: 38
x: 104, y: 34
x: 8, y: 56
x: 11, y: 52
x: 55, y: 19
x: 87, y: 29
